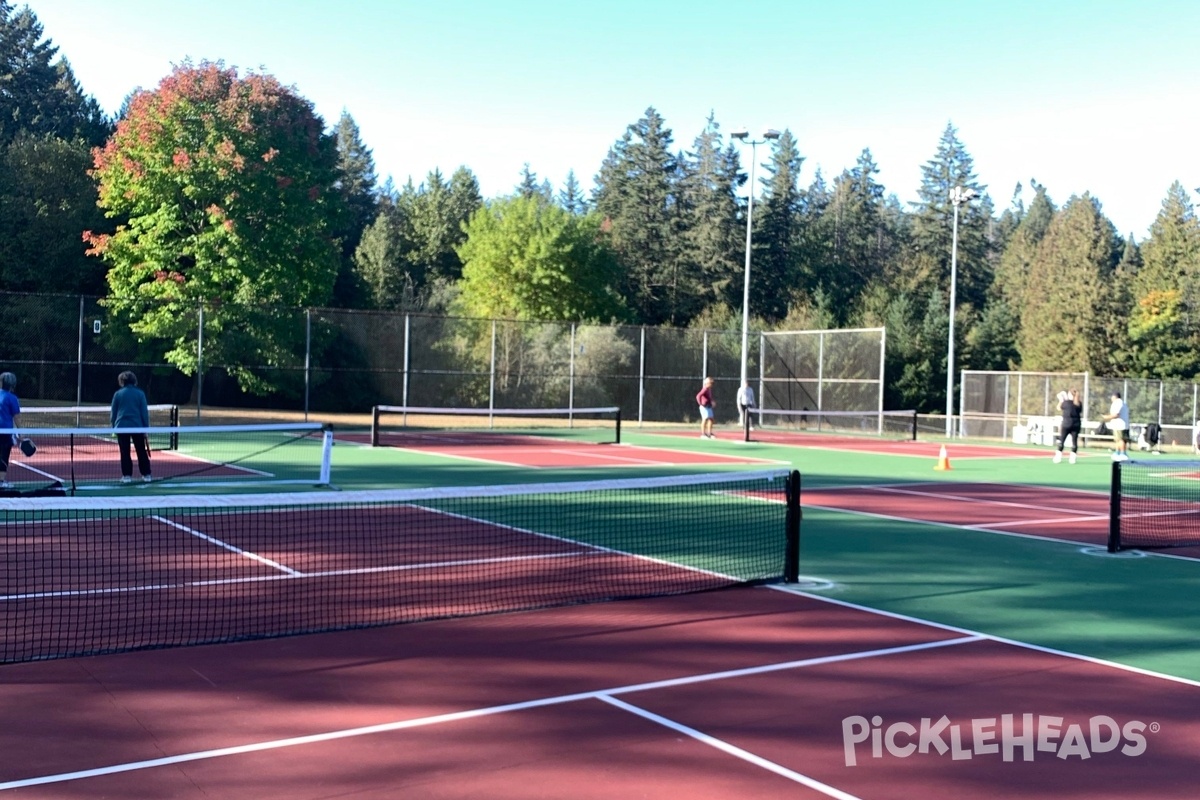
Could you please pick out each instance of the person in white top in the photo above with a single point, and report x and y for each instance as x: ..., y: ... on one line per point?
x: 1118, y: 422
x: 745, y: 401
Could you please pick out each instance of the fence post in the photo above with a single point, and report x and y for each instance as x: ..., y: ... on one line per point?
x: 571, y: 372
x: 307, y: 356
x: 642, y: 378
x: 200, y: 362
x: 79, y: 370
x: 882, y: 356
x: 492, y: 380
x: 407, y: 356
x: 820, y: 372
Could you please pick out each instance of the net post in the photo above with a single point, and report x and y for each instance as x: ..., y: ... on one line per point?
x: 791, y: 552
x: 326, y: 455
x: 617, y: 437
x: 1114, y: 509
x: 746, y: 425
x: 174, y: 419
x: 914, y: 423
x: 374, y: 426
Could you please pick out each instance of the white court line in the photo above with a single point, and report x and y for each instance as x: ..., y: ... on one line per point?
x: 975, y: 500
x: 329, y: 573
x: 733, y: 750
x: 231, y: 548
x: 47, y: 475
x: 476, y: 713
x: 989, y: 637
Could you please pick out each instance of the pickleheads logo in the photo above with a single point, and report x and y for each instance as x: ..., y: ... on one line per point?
x: 1027, y: 734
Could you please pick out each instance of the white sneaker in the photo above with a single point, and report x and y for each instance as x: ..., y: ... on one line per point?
x: 5, y: 485
x: 1057, y: 456
x: 1072, y: 459
x: 146, y: 478
x: 126, y: 479
x: 704, y: 436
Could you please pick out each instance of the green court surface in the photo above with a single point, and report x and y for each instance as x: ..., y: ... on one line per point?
x: 1133, y: 608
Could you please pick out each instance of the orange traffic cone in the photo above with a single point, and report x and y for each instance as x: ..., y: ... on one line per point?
x: 943, y: 460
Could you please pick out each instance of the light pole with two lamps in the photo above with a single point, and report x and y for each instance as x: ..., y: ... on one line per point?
x: 744, y: 136
x: 958, y: 196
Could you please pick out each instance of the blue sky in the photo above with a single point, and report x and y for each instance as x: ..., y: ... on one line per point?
x: 1081, y: 95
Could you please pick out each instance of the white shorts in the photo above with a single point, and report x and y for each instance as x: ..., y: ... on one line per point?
x: 706, y: 412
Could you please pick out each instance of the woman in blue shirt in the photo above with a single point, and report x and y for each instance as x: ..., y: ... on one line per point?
x: 129, y: 410
x: 10, y: 409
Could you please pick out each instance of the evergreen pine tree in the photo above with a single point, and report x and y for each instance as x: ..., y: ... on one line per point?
x: 636, y: 196
x: 777, y: 233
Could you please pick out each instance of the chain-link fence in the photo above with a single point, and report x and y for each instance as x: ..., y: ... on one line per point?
x: 70, y: 349
x: 993, y: 403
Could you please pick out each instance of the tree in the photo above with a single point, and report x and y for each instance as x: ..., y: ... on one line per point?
x: 1164, y: 327
x: 1012, y: 271
x: 529, y: 186
x: 357, y: 186
x: 1170, y: 257
x: 952, y: 166
x: 46, y: 201
x: 531, y: 260
x: 571, y: 197
x: 713, y: 239
x: 636, y: 194
x: 856, y: 240
x: 1075, y: 313
x: 40, y: 94
x: 230, y: 187
x: 777, y: 234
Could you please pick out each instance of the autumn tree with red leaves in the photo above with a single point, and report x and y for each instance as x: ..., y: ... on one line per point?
x: 226, y: 186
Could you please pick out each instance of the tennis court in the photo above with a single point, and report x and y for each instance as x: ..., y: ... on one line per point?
x: 952, y: 634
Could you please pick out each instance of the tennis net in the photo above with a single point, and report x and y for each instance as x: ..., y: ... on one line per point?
x: 1154, y: 504
x: 416, y: 426
x: 85, y: 576
x: 204, y: 455
x: 784, y: 426
x: 96, y: 416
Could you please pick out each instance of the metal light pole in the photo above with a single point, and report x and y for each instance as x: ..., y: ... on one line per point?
x: 744, y: 136
x: 958, y: 196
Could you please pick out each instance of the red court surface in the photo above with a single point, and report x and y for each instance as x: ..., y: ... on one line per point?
x: 100, y: 462
x: 748, y: 692
x: 542, y: 453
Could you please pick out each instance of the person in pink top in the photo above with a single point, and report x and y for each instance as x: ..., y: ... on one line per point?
x: 704, y: 399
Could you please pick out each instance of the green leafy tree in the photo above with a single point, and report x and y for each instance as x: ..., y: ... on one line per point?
x: 527, y: 259
x: 229, y: 185
x: 1012, y: 271
x: 1075, y: 313
x: 46, y: 201
x: 1170, y: 257
x: 1162, y: 344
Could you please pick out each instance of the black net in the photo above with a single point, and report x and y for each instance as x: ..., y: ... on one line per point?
x: 204, y: 455
x: 783, y: 426
x: 408, y: 426
x: 133, y: 573
x: 1155, y: 504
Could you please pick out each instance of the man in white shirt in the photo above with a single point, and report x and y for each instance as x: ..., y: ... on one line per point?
x: 745, y: 402
x: 1118, y: 422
